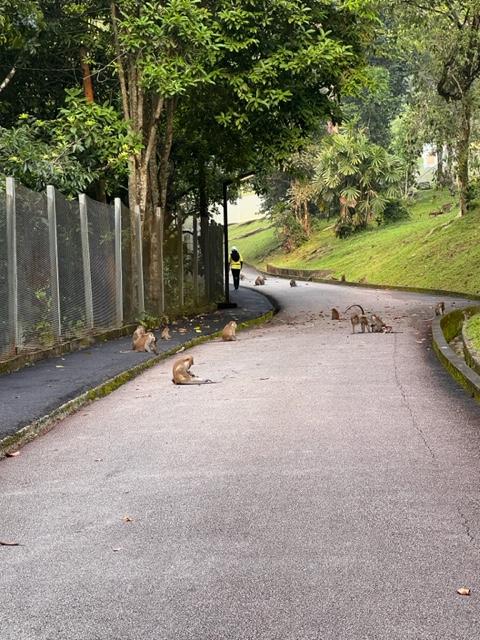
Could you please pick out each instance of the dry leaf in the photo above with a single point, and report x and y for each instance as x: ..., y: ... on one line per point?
x: 59, y: 366
x: 98, y: 459
x: 117, y: 548
x: 127, y: 518
x: 182, y: 330
x: 13, y: 454
x: 464, y: 591
x: 7, y: 543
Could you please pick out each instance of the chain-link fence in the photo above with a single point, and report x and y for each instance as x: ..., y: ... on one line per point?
x: 66, y: 269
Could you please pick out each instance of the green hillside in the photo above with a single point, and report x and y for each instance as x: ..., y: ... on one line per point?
x: 441, y: 252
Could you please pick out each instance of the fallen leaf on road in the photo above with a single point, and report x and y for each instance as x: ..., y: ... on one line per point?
x: 98, y: 459
x: 13, y: 454
x: 127, y: 518
x: 180, y: 350
x: 6, y: 543
x: 264, y: 378
x: 117, y: 548
x: 464, y: 591
x: 59, y: 366
x: 183, y: 330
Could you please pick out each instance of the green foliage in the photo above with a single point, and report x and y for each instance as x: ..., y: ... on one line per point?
x: 394, y: 211
x: 472, y: 330
x: 289, y: 230
x: 86, y: 142
x: 357, y: 177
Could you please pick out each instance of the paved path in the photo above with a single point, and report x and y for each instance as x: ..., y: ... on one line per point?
x: 325, y: 488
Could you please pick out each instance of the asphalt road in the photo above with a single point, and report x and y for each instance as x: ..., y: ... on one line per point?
x: 325, y: 488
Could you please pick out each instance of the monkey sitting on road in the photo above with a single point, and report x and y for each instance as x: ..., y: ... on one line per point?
x: 259, y: 280
x: 182, y: 374
x: 360, y: 319
x: 146, y: 342
x: 293, y: 283
x: 139, y: 331
x: 228, y: 333
x: 440, y: 308
x: 166, y: 334
x: 335, y: 314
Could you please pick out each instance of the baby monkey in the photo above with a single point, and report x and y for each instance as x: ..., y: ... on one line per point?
x: 293, y: 282
x: 360, y: 319
x: 146, y: 342
x: 182, y: 373
x: 228, y: 333
x: 378, y: 325
x: 335, y: 314
x: 259, y: 280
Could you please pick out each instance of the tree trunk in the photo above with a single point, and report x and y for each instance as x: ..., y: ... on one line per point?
x: 463, y: 149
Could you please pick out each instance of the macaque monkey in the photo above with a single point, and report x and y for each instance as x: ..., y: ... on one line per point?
x: 166, y: 334
x: 293, y: 283
x: 335, y: 314
x: 139, y: 331
x: 228, y: 333
x: 260, y: 280
x: 362, y: 320
x: 378, y: 325
x: 355, y: 305
x: 343, y: 278
x: 182, y: 373
x: 440, y: 308
x: 242, y: 277
x: 146, y: 342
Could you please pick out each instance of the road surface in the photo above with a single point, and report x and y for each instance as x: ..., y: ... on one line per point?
x: 325, y: 488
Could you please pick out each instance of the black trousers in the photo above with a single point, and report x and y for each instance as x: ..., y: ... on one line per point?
x: 236, y: 277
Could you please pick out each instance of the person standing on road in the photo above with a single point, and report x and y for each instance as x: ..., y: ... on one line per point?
x: 236, y: 264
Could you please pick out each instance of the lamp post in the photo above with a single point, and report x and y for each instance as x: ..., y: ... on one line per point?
x: 241, y: 178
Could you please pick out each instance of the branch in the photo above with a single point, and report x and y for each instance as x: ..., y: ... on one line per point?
x: 9, y: 76
x: 121, y: 70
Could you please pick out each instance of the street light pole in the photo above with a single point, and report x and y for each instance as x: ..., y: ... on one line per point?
x: 244, y: 176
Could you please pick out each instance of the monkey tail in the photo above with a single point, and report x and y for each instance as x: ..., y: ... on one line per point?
x: 355, y: 305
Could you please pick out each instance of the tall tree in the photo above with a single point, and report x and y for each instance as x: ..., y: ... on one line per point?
x: 446, y: 40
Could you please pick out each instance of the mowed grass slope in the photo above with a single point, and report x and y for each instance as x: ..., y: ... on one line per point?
x: 441, y: 252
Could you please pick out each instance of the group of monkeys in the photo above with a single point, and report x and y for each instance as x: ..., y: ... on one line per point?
x: 146, y: 341
x: 374, y: 324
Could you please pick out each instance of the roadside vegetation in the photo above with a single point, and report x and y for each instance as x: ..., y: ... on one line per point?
x: 435, y: 252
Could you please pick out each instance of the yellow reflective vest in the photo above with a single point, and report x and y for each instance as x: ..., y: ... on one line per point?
x: 235, y: 264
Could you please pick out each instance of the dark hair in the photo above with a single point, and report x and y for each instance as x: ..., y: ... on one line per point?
x: 235, y: 255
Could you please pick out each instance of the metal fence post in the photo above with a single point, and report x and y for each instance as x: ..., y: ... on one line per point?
x: 87, y: 276
x: 181, y: 296
x: 53, y: 248
x: 118, y: 263
x: 195, y: 259
x: 161, y: 276
x: 12, y: 264
x: 141, y: 289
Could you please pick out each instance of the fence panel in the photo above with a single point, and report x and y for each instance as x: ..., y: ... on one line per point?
x: 101, y: 235
x: 35, y: 327
x: 70, y: 269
